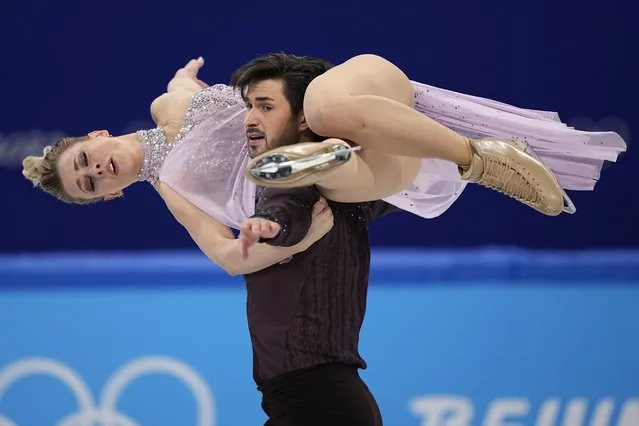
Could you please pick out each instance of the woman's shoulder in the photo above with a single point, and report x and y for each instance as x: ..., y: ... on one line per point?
x: 170, y: 106
x: 172, y: 109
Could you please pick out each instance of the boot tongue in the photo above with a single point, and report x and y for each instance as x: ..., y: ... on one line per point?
x: 473, y: 172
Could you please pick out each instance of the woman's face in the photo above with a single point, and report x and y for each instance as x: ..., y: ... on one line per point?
x: 100, y: 167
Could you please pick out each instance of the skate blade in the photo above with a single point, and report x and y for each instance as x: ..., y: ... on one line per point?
x: 277, y: 166
x: 569, y: 206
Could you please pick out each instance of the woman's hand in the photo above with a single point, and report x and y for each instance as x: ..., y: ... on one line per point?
x: 253, y: 229
x: 191, y: 69
x: 322, y: 222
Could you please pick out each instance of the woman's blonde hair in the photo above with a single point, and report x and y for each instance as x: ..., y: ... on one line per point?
x: 43, y: 171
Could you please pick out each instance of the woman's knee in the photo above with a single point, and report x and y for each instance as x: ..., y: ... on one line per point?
x: 366, y: 60
x: 379, y: 76
x: 327, y: 110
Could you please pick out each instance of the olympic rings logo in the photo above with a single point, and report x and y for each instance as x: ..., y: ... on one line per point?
x: 106, y: 413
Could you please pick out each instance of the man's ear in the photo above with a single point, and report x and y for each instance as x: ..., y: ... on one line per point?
x: 303, y: 125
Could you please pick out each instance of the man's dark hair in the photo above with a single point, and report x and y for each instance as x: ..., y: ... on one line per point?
x: 296, y: 73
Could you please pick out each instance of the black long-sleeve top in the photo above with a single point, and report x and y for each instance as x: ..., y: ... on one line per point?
x: 309, y: 310
x: 290, y: 208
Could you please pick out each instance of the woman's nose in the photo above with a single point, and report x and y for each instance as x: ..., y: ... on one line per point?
x: 96, y: 170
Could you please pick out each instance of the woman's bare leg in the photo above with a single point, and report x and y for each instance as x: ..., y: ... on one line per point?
x: 370, y: 101
x: 368, y: 175
x: 364, y: 175
x: 376, y: 172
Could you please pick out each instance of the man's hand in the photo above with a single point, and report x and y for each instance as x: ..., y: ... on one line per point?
x: 251, y: 230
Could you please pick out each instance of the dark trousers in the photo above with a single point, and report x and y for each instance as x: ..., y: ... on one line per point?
x: 330, y: 394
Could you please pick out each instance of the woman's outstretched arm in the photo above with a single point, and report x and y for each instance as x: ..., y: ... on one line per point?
x: 219, y: 244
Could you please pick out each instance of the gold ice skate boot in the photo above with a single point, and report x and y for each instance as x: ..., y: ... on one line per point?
x: 514, y: 169
x: 301, y: 164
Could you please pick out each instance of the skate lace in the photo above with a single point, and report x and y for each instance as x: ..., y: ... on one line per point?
x: 504, y: 175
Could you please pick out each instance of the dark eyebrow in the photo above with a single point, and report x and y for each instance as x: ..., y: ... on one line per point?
x: 258, y: 99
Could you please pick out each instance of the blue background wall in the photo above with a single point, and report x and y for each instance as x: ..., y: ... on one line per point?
x: 72, y: 67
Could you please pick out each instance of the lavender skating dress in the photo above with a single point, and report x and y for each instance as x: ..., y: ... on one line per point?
x: 206, y: 161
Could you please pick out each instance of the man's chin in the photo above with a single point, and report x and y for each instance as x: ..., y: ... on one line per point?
x: 254, y: 151
x: 257, y: 150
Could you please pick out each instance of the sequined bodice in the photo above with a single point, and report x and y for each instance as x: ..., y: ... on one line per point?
x: 205, y: 162
x: 154, y: 142
x: 156, y: 147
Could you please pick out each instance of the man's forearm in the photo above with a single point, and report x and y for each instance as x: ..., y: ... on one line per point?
x: 291, y: 209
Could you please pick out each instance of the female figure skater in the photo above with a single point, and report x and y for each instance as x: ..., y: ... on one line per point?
x: 197, y: 155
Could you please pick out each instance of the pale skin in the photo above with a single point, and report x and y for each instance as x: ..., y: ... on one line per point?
x: 104, y: 165
x: 369, y: 100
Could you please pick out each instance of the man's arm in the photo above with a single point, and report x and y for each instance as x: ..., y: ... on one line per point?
x: 282, y: 217
x: 382, y: 208
x: 291, y: 209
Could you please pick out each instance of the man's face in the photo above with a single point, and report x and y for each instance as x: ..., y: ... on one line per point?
x: 269, y: 122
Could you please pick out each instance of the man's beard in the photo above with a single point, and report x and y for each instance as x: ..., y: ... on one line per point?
x: 291, y: 135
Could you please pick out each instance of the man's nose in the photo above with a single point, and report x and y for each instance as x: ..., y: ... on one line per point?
x: 250, y: 120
